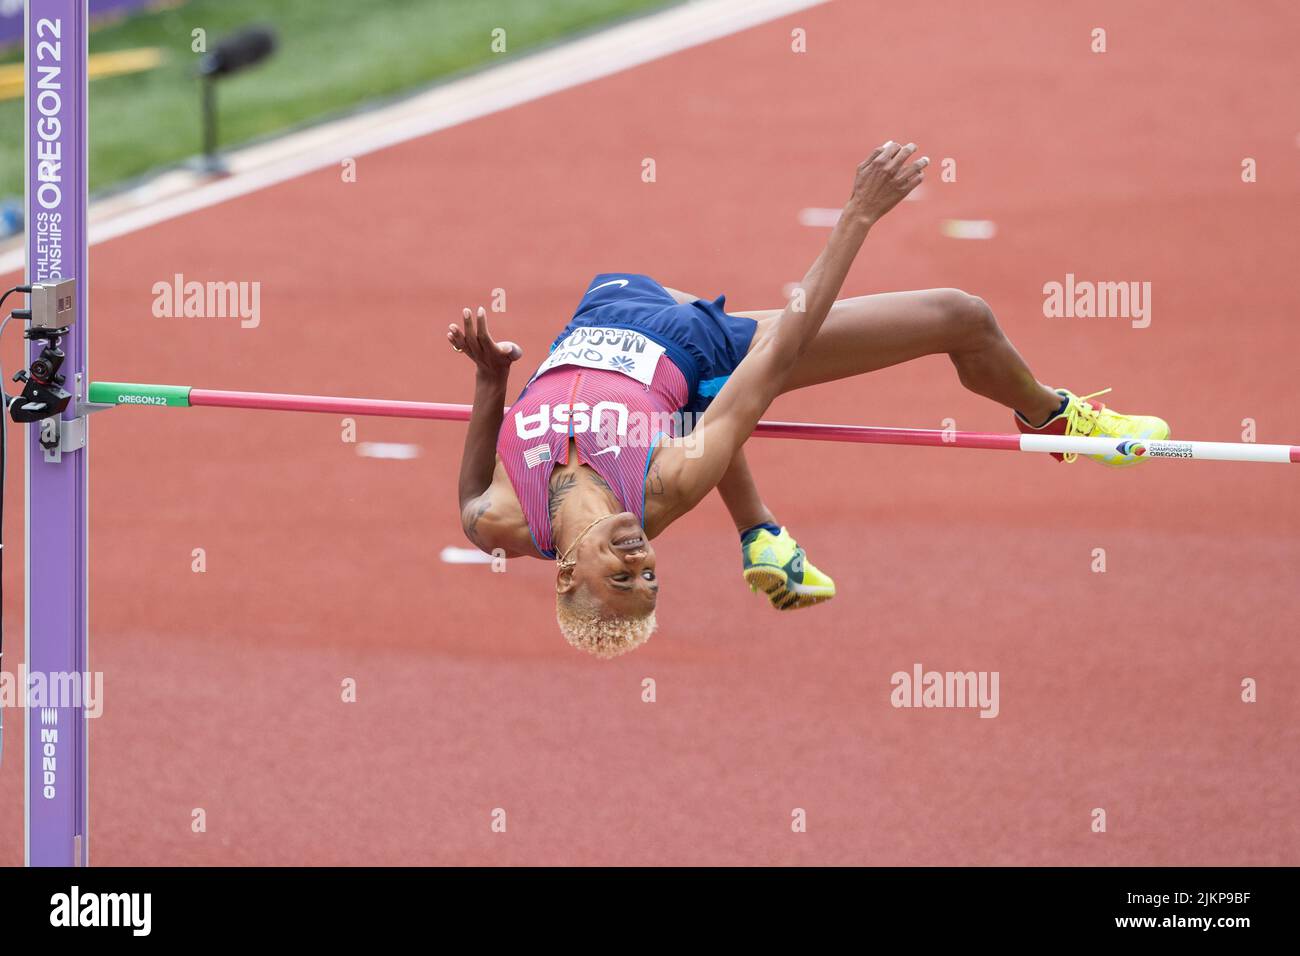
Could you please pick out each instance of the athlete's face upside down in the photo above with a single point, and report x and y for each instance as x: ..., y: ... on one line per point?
x: 605, y: 594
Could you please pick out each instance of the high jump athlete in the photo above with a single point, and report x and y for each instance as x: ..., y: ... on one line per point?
x: 595, y: 457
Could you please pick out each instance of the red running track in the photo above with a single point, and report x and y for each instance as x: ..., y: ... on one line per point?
x: 1119, y: 690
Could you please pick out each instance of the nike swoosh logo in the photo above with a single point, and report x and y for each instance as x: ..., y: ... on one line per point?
x: 614, y: 448
x: 617, y: 282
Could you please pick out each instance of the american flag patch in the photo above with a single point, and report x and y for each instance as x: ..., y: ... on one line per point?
x: 536, y: 455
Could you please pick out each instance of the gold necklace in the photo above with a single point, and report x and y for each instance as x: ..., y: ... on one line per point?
x: 563, y: 560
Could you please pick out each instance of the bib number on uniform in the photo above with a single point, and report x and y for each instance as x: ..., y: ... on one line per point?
x: 618, y: 350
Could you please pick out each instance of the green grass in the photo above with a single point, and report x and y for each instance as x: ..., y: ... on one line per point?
x: 334, y: 55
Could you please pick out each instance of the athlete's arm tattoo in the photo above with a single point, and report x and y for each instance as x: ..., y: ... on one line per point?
x: 654, y: 482
x: 475, y: 509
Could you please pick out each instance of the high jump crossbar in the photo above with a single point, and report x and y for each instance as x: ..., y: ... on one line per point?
x: 110, y: 394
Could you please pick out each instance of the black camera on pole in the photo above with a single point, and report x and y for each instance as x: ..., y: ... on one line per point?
x: 50, y: 314
x: 43, y: 395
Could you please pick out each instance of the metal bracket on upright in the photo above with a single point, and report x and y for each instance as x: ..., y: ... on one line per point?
x: 61, y: 435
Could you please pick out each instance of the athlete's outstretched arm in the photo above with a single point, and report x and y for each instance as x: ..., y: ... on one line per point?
x: 492, y: 362
x: 881, y: 181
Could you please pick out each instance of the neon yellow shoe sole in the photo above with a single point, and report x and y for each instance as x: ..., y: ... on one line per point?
x: 776, y: 566
x: 786, y: 595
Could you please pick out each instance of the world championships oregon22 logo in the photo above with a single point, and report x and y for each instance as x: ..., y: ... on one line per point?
x: 1132, y: 449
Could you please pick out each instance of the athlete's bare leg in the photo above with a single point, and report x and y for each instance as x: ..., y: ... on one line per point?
x: 871, y: 332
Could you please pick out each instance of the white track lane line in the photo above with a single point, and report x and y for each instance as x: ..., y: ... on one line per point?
x: 388, y: 449
x: 968, y: 228
x: 451, y: 555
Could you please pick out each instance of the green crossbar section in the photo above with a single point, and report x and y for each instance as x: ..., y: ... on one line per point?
x: 129, y: 393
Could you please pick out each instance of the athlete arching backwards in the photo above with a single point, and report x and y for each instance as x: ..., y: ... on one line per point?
x: 597, y: 456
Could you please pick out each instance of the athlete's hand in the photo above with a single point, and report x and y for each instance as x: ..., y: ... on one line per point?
x: 884, y: 178
x: 491, y: 359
